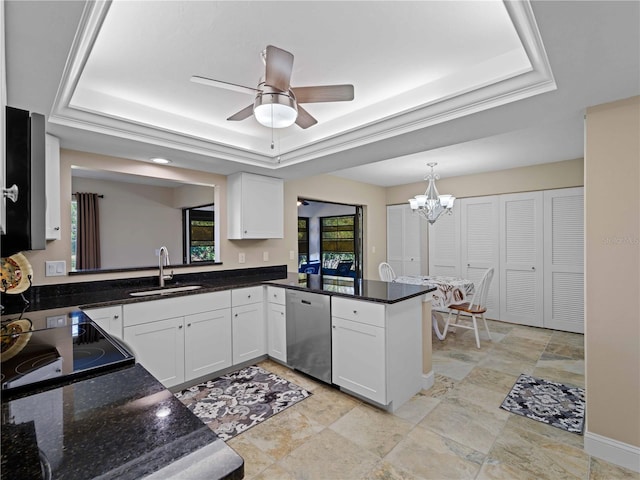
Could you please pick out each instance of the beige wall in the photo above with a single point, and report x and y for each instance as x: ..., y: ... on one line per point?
x: 339, y: 190
x: 327, y: 188
x: 612, y: 265
x: 547, y: 176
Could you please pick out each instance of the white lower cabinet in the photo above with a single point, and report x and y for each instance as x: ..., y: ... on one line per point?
x: 108, y: 318
x: 247, y: 324
x: 377, y: 349
x: 159, y: 347
x: 180, y: 339
x: 207, y: 345
x: 276, y: 324
x: 358, y: 358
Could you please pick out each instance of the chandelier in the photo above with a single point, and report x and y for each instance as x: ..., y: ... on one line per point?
x: 431, y: 205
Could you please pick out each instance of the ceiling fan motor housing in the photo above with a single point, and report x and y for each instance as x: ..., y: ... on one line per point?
x: 274, y: 108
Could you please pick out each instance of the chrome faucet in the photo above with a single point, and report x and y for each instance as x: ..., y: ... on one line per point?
x: 163, y: 260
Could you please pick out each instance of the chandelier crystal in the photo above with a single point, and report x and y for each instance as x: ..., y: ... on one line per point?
x: 431, y: 205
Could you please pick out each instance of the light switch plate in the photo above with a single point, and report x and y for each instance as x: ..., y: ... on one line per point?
x: 241, y: 258
x: 55, y: 268
x: 265, y: 256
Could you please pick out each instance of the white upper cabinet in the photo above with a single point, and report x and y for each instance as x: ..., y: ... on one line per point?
x: 521, y: 258
x: 52, y: 187
x: 564, y: 259
x: 255, y: 206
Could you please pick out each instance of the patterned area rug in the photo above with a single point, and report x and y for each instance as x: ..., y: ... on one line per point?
x: 233, y: 403
x: 554, y: 403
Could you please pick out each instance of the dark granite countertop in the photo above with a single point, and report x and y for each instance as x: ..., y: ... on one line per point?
x: 115, y: 292
x: 358, y: 289
x: 122, y: 424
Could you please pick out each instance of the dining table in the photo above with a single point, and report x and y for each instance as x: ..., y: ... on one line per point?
x: 449, y: 291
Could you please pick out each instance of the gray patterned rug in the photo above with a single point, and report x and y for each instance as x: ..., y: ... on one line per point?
x: 554, y: 403
x: 235, y: 402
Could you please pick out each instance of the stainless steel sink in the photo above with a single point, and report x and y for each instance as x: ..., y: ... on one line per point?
x: 165, y: 291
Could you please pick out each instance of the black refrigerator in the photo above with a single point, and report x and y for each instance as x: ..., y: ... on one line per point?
x: 25, y: 168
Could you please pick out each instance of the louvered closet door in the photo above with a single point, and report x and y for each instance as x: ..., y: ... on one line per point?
x: 564, y: 259
x: 395, y: 237
x: 480, y: 244
x: 521, y: 258
x: 444, y: 245
x: 412, y: 242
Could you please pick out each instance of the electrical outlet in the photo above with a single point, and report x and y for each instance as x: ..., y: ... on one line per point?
x: 265, y: 256
x: 56, y: 268
x: 373, y: 249
x: 292, y: 255
x: 241, y: 258
x: 56, y: 321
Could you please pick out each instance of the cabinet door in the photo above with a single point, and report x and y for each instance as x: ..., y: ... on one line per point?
x: 109, y: 319
x: 248, y: 332
x: 207, y: 343
x: 480, y: 245
x: 277, y: 331
x: 358, y: 359
x: 255, y: 206
x: 564, y: 259
x: 521, y: 260
x: 444, y: 245
x: 159, y: 347
x: 52, y: 187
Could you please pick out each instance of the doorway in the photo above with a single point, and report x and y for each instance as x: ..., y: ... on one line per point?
x: 330, y: 238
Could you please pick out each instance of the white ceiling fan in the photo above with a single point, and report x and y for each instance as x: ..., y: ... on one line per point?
x: 277, y: 103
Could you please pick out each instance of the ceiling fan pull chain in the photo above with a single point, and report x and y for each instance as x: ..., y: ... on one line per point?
x: 272, y: 127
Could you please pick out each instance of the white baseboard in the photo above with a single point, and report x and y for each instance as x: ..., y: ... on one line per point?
x: 613, y: 451
x: 428, y: 379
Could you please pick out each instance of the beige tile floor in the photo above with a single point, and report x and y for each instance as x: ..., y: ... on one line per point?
x: 455, y: 430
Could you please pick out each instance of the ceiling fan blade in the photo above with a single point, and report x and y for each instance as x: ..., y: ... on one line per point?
x: 278, y: 68
x: 327, y: 93
x: 242, y: 114
x: 220, y: 84
x: 305, y: 120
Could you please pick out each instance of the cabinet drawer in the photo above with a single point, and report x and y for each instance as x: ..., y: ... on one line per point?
x: 369, y: 313
x: 247, y: 296
x: 143, y: 312
x: 276, y: 295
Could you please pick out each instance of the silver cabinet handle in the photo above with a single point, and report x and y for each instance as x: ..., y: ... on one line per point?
x: 57, y: 228
x: 179, y: 326
x: 533, y: 268
x: 188, y: 324
x: 116, y: 317
x: 11, y: 193
x: 248, y: 296
x: 355, y: 312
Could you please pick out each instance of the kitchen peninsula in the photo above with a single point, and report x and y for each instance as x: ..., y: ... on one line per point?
x: 92, y: 407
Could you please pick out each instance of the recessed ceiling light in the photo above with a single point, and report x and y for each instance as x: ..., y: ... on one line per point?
x: 163, y: 161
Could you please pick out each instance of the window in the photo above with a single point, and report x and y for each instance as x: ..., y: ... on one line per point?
x: 199, y: 234
x: 338, y: 245
x: 303, y: 240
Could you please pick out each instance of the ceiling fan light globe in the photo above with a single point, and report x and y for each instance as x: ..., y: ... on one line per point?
x: 275, y: 110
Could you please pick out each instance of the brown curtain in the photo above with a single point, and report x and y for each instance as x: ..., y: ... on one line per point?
x: 88, y: 235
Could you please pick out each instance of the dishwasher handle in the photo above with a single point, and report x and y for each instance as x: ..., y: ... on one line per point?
x: 306, y: 302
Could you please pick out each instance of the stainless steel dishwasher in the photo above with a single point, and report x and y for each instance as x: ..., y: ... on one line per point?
x: 309, y: 333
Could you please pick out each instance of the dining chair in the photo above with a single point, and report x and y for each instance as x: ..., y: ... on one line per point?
x: 386, y: 272
x: 476, y: 307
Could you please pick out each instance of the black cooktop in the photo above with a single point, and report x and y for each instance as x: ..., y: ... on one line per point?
x: 53, y: 347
